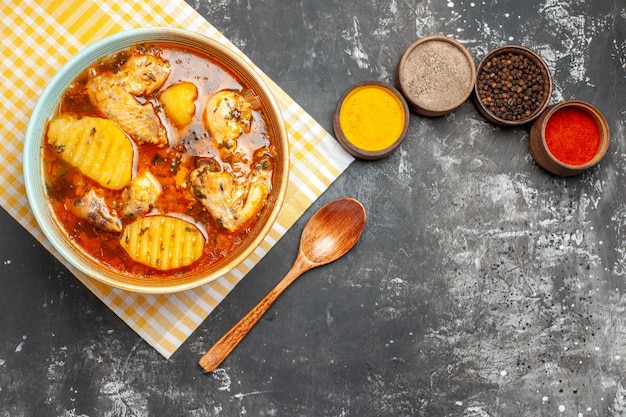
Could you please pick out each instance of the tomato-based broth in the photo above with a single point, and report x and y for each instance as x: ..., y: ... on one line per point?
x: 159, y: 162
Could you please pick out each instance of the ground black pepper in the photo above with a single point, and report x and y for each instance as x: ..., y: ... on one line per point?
x: 511, y: 86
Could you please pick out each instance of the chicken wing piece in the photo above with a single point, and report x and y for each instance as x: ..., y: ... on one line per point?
x: 137, y: 120
x: 92, y: 208
x: 143, y: 74
x: 227, y: 115
x: 141, y: 195
x: 114, y: 94
x: 231, y: 200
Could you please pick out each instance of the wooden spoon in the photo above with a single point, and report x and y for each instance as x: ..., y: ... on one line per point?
x: 331, y: 232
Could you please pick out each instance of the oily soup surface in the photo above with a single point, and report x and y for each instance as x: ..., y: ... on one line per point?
x: 201, y: 162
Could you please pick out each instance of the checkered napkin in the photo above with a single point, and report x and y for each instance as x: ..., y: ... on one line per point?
x: 38, y: 37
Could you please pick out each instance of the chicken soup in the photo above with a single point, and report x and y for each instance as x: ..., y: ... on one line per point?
x: 159, y: 161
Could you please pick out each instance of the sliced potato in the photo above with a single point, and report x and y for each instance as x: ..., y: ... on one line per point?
x: 178, y: 102
x: 97, y: 147
x: 163, y: 242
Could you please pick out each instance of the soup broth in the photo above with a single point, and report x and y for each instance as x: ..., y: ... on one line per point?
x: 206, y: 160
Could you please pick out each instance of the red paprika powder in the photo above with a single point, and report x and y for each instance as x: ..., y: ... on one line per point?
x: 572, y: 136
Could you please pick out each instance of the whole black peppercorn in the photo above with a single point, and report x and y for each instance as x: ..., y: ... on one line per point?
x: 512, y: 86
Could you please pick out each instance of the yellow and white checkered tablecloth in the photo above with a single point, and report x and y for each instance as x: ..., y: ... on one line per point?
x: 38, y: 37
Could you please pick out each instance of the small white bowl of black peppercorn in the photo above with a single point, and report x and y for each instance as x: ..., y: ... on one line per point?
x: 513, y: 85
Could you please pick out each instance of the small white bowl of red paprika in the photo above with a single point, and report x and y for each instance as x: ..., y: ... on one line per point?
x: 569, y: 138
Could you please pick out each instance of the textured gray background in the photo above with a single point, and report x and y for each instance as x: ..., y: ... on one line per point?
x: 482, y: 285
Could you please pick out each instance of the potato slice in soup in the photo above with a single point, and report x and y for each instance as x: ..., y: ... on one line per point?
x: 163, y: 242
x: 178, y: 103
x: 97, y: 147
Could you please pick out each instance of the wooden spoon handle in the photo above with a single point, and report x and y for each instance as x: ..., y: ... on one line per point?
x: 222, y: 348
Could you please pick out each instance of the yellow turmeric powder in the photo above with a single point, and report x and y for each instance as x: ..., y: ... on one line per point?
x: 371, y: 117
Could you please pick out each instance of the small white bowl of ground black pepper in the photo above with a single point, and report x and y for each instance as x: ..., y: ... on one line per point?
x: 513, y: 85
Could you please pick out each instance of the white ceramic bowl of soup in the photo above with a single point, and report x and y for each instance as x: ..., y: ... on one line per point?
x: 126, y: 273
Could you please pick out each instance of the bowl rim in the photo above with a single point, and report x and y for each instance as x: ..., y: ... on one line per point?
x: 401, y: 70
x: 545, y: 70
x: 601, y: 124
x: 46, y: 106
